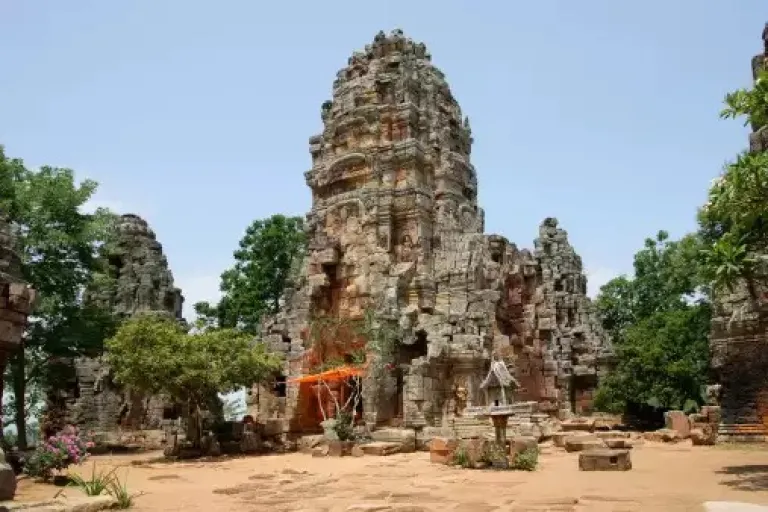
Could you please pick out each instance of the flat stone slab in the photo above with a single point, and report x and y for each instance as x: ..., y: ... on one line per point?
x: 605, y: 460
x: 380, y: 448
x: 582, y: 442
x: 618, y: 443
x: 733, y: 506
x: 70, y: 504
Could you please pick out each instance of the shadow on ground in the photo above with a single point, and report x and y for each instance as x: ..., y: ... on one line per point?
x: 749, y: 477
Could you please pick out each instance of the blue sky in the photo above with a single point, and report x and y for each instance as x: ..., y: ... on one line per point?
x: 196, y: 114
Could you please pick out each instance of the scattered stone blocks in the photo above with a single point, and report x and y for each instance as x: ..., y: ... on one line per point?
x: 605, y: 460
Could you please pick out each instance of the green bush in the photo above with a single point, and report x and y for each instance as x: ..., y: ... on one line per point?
x: 526, y: 460
x: 461, y: 457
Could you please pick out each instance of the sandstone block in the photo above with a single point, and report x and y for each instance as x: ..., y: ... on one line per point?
x: 663, y: 435
x: 612, y: 434
x: 405, y: 437
x: 578, y: 425
x: 578, y: 443
x: 357, y: 451
x: 705, y: 436
x: 380, y: 448
x: 605, y: 460
x: 618, y: 443
x: 679, y: 422
x: 441, y: 450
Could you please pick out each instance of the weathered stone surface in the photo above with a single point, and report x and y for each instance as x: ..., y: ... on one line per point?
x: 380, y: 448
x: 679, y: 422
x: 618, y: 443
x: 738, y: 340
x: 663, y: 435
x: 581, y: 442
x: 406, y: 438
x: 605, y: 460
x: 137, y: 280
x: 442, y: 449
x: 395, y: 225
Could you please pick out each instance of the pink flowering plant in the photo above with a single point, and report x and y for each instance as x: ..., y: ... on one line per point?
x: 57, y: 453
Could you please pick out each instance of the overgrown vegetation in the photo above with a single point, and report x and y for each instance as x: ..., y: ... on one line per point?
x: 58, y: 244
x: 57, y: 453
x: 152, y: 354
x: 526, y: 460
x: 264, y: 263
x: 105, y: 482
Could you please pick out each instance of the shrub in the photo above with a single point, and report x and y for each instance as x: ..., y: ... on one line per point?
x: 526, y: 460
x: 97, y: 484
x: 57, y: 453
x: 461, y: 457
x: 119, y: 491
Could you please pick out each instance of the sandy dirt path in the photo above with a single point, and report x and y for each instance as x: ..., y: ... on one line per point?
x: 664, y: 478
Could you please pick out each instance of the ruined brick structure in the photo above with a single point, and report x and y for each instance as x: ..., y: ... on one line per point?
x: 739, y: 337
x: 395, y: 224
x: 138, y: 280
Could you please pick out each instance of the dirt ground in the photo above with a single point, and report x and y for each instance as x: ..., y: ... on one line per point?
x: 666, y: 478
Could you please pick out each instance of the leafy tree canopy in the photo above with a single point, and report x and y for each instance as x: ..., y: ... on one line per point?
x: 252, y: 288
x: 153, y: 354
x: 734, y: 220
x: 659, y: 328
x: 57, y: 242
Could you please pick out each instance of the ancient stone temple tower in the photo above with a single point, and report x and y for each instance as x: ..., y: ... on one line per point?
x: 138, y: 281
x: 395, y: 225
x: 739, y: 337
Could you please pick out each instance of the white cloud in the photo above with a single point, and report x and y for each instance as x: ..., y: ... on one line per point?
x: 597, y: 277
x: 197, y: 288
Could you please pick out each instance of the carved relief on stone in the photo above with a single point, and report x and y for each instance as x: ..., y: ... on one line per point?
x: 460, y: 397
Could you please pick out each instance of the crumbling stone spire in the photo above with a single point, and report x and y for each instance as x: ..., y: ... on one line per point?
x: 739, y: 337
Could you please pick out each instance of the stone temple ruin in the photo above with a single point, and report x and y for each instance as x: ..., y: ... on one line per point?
x: 138, y: 281
x: 395, y: 224
x: 739, y: 337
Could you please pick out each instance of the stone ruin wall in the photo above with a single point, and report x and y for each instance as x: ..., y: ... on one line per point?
x: 395, y: 224
x: 739, y: 337
x: 139, y: 281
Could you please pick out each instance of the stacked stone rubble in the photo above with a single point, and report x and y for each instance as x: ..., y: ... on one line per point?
x: 739, y: 337
x: 137, y: 280
x: 395, y: 225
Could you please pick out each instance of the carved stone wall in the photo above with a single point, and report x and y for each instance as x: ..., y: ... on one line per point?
x: 139, y: 281
x: 395, y: 225
x: 739, y: 337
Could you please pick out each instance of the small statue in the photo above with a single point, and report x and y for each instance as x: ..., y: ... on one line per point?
x: 460, y: 396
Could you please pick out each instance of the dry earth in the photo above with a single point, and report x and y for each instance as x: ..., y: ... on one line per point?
x: 666, y: 478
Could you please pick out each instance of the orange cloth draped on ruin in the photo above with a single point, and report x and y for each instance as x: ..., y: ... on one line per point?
x: 340, y: 373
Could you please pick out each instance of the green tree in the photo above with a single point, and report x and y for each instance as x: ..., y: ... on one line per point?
x: 252, y: 288
x: 57, y: 243
x: 154, y: 355
x: 734, y: 220
x: 659, y: 321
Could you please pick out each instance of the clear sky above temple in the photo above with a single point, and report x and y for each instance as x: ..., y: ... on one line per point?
x: 196, y: 114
